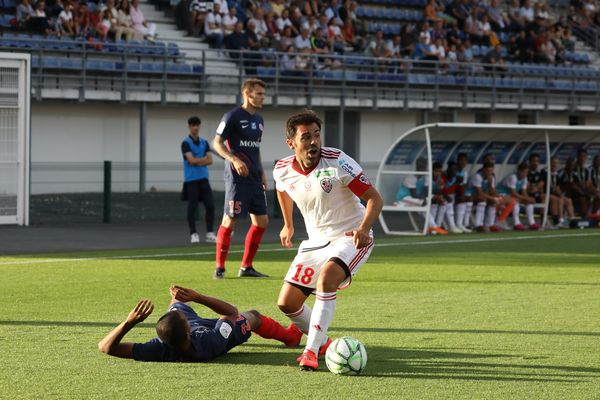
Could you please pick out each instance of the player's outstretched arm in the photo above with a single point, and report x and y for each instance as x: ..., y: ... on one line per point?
x: 111, y: 344
x: 224, y: 309
x: 287, y: 209
x: 374, y: 206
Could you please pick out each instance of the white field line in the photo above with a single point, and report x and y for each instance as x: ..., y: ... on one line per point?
x: 207, y: 253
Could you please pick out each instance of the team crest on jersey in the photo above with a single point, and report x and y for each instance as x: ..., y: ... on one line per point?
x: 253, y: 126
x: 326, y: 184
x: 363, y: 179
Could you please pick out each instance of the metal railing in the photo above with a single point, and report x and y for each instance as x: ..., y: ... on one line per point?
x: 142, y: 72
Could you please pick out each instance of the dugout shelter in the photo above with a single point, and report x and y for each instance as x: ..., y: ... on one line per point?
x: 442, y: 142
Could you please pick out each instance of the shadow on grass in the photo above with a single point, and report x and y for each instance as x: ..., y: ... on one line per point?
x: 94, y: 324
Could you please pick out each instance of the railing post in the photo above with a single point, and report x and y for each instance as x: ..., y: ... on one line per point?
x: 107, y: 201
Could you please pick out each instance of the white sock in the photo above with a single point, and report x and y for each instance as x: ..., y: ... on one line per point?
x: 450, y: 216
x: 529, y: 210
x: 439, y: 219
x: 467, y: 221
x: 515, y: 212
x: 479, y: 214
x: 320, y: 319
x: 432, y: 214
x: 460, y: 214
x: 490, y: 217
x: 301, y: 318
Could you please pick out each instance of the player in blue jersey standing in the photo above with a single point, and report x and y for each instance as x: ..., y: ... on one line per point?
x: 196, y: 188
x: 238, y: 142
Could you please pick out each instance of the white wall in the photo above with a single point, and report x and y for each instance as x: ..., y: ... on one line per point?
x: 70, y: 140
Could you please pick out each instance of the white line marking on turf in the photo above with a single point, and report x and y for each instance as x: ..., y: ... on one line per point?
x: 208, y: 253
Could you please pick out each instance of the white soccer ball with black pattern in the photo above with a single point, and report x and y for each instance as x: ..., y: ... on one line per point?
x: 346, y: 355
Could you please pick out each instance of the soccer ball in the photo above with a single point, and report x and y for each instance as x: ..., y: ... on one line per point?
x: 346, y: 355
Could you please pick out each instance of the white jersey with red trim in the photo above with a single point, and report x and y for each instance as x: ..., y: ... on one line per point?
x: 327, y: 195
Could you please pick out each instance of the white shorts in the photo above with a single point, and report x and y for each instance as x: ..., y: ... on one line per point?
x: 314, y: 254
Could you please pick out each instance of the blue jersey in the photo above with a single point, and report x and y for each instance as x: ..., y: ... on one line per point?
x: 210, y: 339
x: 242, y: 132
x: 198, y: 148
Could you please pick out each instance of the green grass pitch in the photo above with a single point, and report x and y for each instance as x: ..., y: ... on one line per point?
x: 506, y: 316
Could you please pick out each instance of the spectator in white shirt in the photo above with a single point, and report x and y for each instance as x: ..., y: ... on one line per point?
x: 229, y: 21
x: 223, y: 7
x: 145, y: 28
x: 65, y: 23
x: 259, y: 23
x: 302, y: 41
x: 527, y: 11
x: 284, y: 20
x: 213, y: 28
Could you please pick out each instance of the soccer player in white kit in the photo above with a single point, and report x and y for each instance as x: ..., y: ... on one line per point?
x: 327, y: 186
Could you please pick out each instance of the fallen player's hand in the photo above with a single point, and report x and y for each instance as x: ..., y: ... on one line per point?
x: 140, y: 312
x: 182, y: 294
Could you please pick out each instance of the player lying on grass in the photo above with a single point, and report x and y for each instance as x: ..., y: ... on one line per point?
x: 184, y: 336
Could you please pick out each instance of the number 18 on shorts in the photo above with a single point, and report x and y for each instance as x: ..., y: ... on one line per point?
x: 313, y: 255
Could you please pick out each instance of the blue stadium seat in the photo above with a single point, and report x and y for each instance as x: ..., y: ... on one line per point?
x: 50, y: 62
x: 197, y: 69
x: 265, y: 71
x: 100, y: 65
x: 71, y: 63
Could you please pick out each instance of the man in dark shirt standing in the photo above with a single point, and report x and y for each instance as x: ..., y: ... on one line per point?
x: 238, y: 142
x: 196, y: 188
x: 536, y: 179
x: 184, y: 336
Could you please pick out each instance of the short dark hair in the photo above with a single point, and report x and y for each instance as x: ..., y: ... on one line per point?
x: 581, y: 151
x: 523, y: 166
x: 251, y: 82
x: 172, y: 329
x: 462, y: 155
x: 488, y: 165
x: 304, y: 117
x: 194, y: 121
x: 533, y: 155
x: 437, y: 165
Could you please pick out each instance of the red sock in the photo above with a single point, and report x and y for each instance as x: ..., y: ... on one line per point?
x: 223, y: 242
x: 253, y: 238
x: 271, y: 329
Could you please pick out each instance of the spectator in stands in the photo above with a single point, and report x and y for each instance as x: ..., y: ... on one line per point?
x: 430, y: 12
x: 309, y: 7
x: 559, y: 202
x: 266, y: 7
x: 460, y: 10
x: 333, y: 11
x: 311, y: 24
x: 105, y: 24
x: 229, y: 21
x: 272, y: 31
x: 438, y: 50
x: 498, y: 19
x: 335, y: 37
x: 237, y: 40
x: 124, y: 23
x: 278, y: 6
x: 286, y: 39
x: 546, y: 52
x: 475, y: 29
x: 24, y: 14
x: 320, y: 45
x: 527, y: 12
x: 82, y: 18
x: 146, y: 29
x: 34, y: 20
x: 540, y: 10
x: 297, y: 18
x: 517, y: 21
x: 39, y: 13
x: 494, y: 60
x: 198, y: 11
x: 425, y: 32
x: 377, y: 47
x: 284, y: 21
x: 345, y: 11
x: 523, y: 47
x: 110, y: 12
x: 302, y: 41
x: 260, y: 25
x: 213, y: 27
x: 223, y: 7
x: 438, y: 31
x: 65, y: 22
x: 454, y: 35
x: 408, y: 40
x: 420, y: 52
x: 569, y: 183
x: 515, y: 187
x: 395, y: 46
x: 465, y: 53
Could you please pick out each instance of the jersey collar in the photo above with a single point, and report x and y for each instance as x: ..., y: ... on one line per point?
x: 296, y: 167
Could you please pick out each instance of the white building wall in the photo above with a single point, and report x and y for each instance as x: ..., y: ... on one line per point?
x: 70, y: 141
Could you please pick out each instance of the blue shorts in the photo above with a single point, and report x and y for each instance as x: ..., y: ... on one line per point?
x: 244, y: 198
